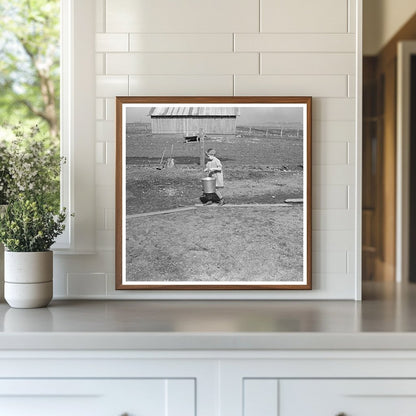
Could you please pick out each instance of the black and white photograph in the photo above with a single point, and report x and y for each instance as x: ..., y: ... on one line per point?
x: 213, y: 193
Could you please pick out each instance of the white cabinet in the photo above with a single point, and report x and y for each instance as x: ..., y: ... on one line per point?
x: 207, y: 383
x: 348, y: 397
x: 113, y: 397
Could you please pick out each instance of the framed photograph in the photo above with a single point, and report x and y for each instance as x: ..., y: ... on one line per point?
x: 213, y: 193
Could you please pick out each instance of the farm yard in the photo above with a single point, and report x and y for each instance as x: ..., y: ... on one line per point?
x: 255, y: 236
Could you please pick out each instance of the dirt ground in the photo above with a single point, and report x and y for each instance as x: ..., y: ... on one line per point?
x: 149, y: 189
x: 217, y: 244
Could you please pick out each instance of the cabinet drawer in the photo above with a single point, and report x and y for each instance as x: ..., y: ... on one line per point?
x: 114, y: 397
x: 347, y: 397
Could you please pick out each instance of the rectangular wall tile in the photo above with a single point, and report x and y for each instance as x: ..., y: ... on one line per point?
x: 314, y: 85
x: 112, y: 42
x: 330, y: 109
x: 109, y: 219
x: 99, y: 64
x: 181, y: 42
x: 111, y: 86
x: 294, y: 42
x: 105, y: 240
x: 100, y: 156
x: 329, y: 197
x: 330, y: 153
x: 99, y: 109
x: 100, y: 15
x: 110, y: 109
x: 307, y: 63
x: 86, y: 284
x: 350, y: 262
x: 105, y: 131
x: 352, y: 12
x: 333, y: 240
x: 181, y: 63
x: 179, y: 16
x: 100, y: 218
x: 351, y: 86
x: 333, y: 175
x: 261, y: 397
x: 104, y: 196
x: 181, y: 85
x: 110, y: 155
x: 60, y: 281
x: 332, y: 130
x: 333, y: 220
x: 329, y: 262
x: 104, y: 175
x: 300, y: 16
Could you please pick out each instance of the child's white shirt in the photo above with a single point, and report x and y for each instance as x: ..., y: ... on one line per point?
x: 219, y: 177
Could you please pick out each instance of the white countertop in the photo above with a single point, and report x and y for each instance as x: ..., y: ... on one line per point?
x: 385, y: 319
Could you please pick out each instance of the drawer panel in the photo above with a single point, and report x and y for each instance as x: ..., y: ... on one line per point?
x: 348, y: 397
x: 115, y: 397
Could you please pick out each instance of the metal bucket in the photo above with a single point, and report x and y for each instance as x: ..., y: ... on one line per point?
x: 208, y: 185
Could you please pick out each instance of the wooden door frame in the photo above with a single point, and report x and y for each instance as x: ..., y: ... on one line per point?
x: 404, y: 50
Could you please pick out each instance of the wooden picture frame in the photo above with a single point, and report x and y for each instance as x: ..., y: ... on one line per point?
x: 173, y: 234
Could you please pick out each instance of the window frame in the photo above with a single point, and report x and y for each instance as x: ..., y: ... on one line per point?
x: 77, y: 100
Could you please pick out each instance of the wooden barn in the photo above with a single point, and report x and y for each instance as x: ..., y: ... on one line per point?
x: 189, y: 120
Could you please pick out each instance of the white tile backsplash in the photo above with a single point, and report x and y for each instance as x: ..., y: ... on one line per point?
x: 99, y: 109
x: 110, y: 109
x: 333, y: 174
x: 307, y: 63
x: 294, y: 42
x: 300, y: 16
x: 351, y: 86
x: 331, y: 109
x: 330, y: 196
x: 112, y: 42
x: 182, y: 16
x: 332, y: 220
x: 330, y: 153
x: 110, y: 86
x: 86, y: 284
x: 181, y: 85
x: 330, y: 262
x: 186, y: 47
x: 182, y: 63
x: 181, y: 42
x: 311, y: 85
x: 100, y: 64
x: 324, y: 130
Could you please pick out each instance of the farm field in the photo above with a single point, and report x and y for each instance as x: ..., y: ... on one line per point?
x: 263, y: 241
x: 256, y: 170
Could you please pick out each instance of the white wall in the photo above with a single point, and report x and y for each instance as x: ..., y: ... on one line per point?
x: 232, y: 47
x: 381, y: 20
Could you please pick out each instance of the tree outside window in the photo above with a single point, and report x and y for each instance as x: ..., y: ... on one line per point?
x: 30, y: 71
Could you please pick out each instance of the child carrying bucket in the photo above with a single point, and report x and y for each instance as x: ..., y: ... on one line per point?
x: 214, y: 170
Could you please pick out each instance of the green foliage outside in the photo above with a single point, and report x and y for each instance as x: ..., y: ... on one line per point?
x: 30, y: 63
x: 29, y: 100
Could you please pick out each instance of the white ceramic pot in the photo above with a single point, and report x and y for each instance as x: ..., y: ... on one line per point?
x: 2, y: 210
x: 28, y: 279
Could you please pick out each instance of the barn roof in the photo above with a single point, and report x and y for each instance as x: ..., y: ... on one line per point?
x: 194, y: 112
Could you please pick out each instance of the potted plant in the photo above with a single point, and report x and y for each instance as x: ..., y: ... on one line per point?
x: 29, y: 185
x: 28, y: 229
